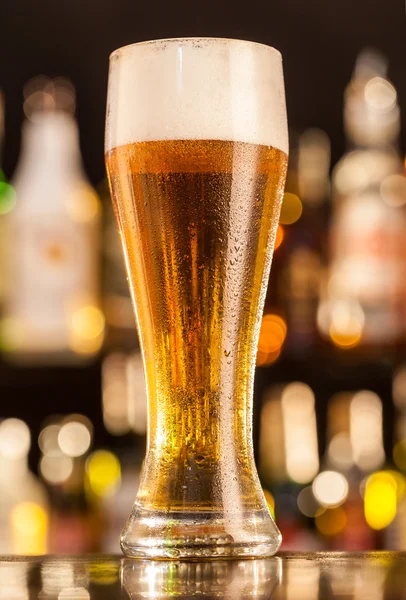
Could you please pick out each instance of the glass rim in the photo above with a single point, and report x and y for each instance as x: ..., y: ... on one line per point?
x: 176, y: 40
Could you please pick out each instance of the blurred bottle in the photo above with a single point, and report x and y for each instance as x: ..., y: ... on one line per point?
x: 75, y: 522
x: 124, y: 397
x: 124, y: 403
x: 364, y: 294
x: 121, y: 332
x: 354, y: 449
x: 24, y: 516
x: 14, y: 578
x: 7, y: 201
x: 289, y: 325
x: 305, y: 201
x: 117, y: 505
x: 288, y: 459
x: 52, y: 309
x: 62, y: 578
x: 396, y: 536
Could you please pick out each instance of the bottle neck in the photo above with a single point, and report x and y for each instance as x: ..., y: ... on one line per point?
x: 50, y: 143
x: 14, y: 469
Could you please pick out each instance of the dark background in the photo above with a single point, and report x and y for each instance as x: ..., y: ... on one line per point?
x: 319, y: 41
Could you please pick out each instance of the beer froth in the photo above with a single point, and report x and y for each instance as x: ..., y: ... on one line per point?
x: 234, y: 92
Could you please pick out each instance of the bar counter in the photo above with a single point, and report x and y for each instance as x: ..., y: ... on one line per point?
x: 287, y: 576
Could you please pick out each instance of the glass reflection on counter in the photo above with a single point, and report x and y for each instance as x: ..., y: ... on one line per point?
x: 301, y: 578
x: 59, y: 577
x: 309, y: 576
x: 229, y: 580
x: 14, y: 581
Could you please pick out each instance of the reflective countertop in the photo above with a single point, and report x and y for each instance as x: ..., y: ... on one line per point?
x: 288, y: 576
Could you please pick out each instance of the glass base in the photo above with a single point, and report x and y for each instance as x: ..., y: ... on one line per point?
x: 199, y: 535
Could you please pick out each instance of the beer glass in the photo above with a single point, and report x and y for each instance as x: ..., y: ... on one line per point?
x: 196, y: 153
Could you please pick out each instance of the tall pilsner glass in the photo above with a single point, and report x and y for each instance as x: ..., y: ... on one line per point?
x: 196, y: 152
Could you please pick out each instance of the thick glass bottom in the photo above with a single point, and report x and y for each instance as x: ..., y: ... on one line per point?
x: 199, y: 535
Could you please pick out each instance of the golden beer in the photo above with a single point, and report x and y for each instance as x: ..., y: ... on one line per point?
x: 197, y: 221
x: 196, y: 152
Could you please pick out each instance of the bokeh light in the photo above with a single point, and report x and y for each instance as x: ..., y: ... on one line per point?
x: 271, y: 338
x: 37, y: 95
x: 74, y: 439
x: 366, y: 430
x: 48, y: 440
x: 380, y: 94
x: 43, y: 93
x: 332, y: 521
x: 393, y: 190
x: 264, y: 359
x: 291, y: 209
x: 380, y: 500
x: 56, y: 469
x: 359, y: 169
x: 300, y: 431
x: 400, y: 482
x: 7, y: 196
x: 29, y: 524
x: 83, y: 205
x: 340, y: 451
x: 88, y: 322
x: 87, y: 329
x: 298, y: 398
x: 115, y: 395
x: 346, y: 324
x: 330, y: 488
x: 272, y: 459
x: 308, y: 504
x: 15, y: 439
x: 103, y: 473
x: 280, y: 234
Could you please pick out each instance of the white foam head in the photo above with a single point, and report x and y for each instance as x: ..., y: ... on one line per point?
x: 196, y: 88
